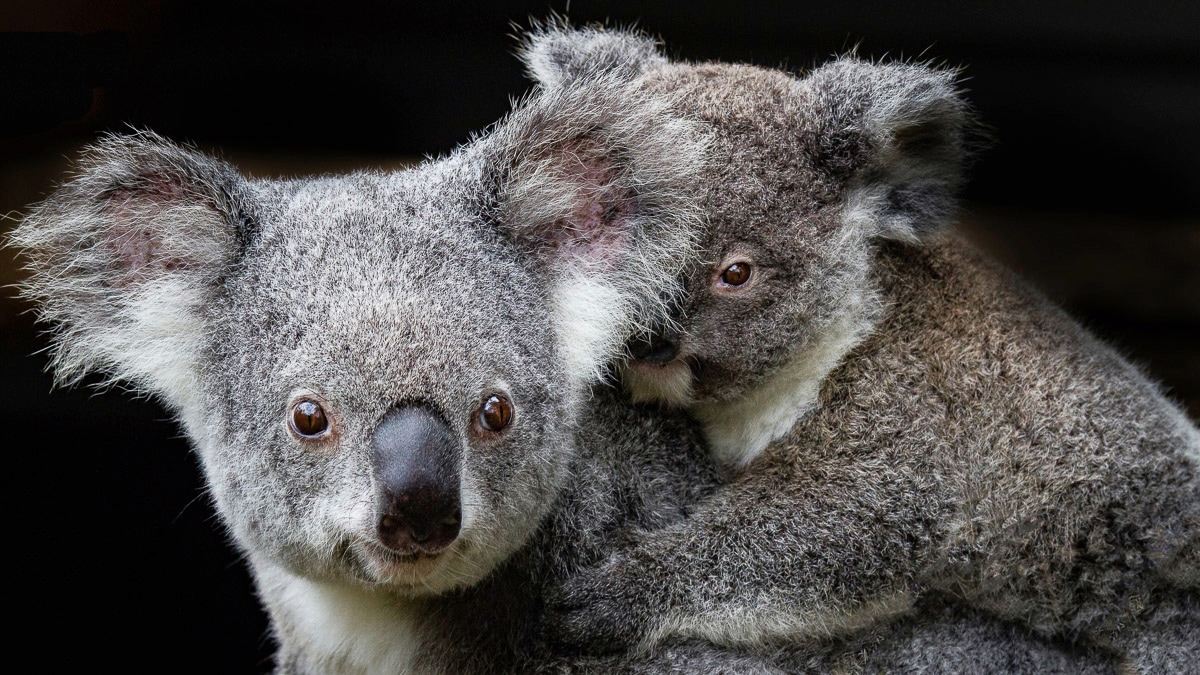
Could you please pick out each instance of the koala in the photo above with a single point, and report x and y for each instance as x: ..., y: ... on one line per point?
x: 902, y: 420
x: 384, y: 375
x: 389, y: 380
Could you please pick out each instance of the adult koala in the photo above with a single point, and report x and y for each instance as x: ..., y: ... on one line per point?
x: 904, y: 419
x: 383, y: 375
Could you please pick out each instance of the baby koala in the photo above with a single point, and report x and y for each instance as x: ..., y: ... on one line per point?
x: 903, y: 419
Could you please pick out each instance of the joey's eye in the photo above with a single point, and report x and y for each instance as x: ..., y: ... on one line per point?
x: 736, y: 274
x: 496, y: 413
x: 309, y: 419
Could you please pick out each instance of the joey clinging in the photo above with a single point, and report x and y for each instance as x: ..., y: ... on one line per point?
x: 910, y: 419
x: 380, y: 373
x: 784, y: 289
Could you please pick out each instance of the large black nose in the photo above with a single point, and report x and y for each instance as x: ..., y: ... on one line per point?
x: 660, y: 348
x: 416, y: 464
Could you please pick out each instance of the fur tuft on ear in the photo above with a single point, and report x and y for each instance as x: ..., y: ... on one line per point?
x: 124, y: 257
x: 555, y: 54
x: 596, y: 185
x: 898, y: 133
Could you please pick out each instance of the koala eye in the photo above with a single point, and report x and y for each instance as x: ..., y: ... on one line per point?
x: 495, y: 414
x: 308, y: 419
x: 736, y: 274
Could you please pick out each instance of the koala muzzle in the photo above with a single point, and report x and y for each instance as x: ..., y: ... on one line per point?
x: 659, y: 349
x: 416, y: 465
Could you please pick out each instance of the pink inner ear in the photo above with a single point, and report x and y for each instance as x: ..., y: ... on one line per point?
x: 135, y: 250
x: 135, y: 238
x: 597, y: 230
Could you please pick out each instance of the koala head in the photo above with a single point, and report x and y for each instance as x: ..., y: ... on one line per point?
x: 379, y: 372
x: 807, y: 175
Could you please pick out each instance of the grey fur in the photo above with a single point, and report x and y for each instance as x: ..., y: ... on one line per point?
x: 167, y: 270
x: 556, y: 56
x: 436, y: 287
x: 948, y: 639
x: 928, y: 425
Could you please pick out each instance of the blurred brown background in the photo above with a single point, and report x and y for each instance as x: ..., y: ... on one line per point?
x: 1091, y: 190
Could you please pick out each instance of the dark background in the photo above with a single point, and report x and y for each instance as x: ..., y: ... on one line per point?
x: 1091, y: 190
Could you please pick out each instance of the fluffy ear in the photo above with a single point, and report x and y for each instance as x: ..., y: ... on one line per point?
x: 897, y: 133
x: 125, y: 256
x: 595, y: 184
x: 555, y: 54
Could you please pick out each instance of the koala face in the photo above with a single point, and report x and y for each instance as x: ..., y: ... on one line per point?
x: 778, y: 267
x: 379, y: 372
x: 806, y: 174
x: 404, y: 427
x: 354, y: 358
x: 804, y: 179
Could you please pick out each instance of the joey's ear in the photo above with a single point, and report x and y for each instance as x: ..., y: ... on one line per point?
x: 125, y: 257
x: 897, y: 133
x: 555, y: 54
x: 596, y: 183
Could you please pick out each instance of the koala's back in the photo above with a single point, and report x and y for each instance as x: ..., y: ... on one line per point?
x: 1046, y: 476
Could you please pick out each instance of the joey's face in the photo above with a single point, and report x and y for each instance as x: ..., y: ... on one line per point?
x: 805, y: 173
x: 387, y: 410
x: 778, y: 264
x: 760, y: 303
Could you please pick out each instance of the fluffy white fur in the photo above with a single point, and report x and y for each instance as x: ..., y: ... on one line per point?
x: 670, y: 383
x: 617, y: 281
x: 738, y: 431
x: 590, y: 312
x: 345, y: 629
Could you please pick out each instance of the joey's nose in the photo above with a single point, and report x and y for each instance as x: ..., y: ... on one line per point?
x: 416, y: 465
x: 659, y: 349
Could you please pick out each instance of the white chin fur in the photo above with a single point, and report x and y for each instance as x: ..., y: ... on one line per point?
x: 737, y: 431
x: 343, y: 628
x: 671, y: 383
x: 415, y: 576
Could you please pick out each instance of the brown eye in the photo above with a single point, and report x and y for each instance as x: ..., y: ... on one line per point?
x: 496, y: 413
x: 736, y: 274
x: 308, y: 419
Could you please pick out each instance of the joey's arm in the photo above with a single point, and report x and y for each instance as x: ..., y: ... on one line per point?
x: 791, y: 549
